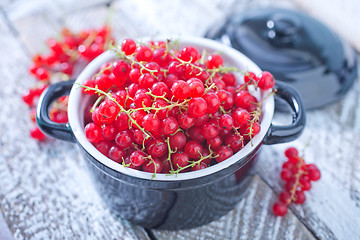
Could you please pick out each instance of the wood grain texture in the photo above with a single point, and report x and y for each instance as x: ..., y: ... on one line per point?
x: 45, y: 192
x: 251, y: 219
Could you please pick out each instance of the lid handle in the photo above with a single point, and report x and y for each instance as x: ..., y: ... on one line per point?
x: 283, y: 29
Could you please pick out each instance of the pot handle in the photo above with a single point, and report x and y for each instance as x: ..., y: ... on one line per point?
x: 60, y: 131
x: 279, y: 133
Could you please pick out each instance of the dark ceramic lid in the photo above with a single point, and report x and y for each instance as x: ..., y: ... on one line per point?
x: 296, y: 49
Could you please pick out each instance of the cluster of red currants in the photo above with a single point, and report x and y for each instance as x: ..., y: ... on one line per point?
x: 164, y: 110
x: 298, y: 177
x: 70, y: 51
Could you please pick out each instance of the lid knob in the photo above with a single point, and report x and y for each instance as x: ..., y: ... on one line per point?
x: 282, y: 29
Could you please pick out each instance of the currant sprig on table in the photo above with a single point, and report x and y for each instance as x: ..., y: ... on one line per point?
x: 297, y: 176
x: 161, y: 109
x: 66, y: 56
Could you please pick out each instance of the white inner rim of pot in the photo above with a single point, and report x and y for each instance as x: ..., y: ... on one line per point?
x: 231, y: 58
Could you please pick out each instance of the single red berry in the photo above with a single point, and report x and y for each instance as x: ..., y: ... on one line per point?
x: 197, y: 107
x: 214, y: 61
x: 151, y: 122
x: 291, y: 152
x: 266, y: 81
x: 209, y: 131
x: 122, y: 121
x: 153, y: 166
x: 139, y: 137
x: 153, y: 68
x: 121, y: 69
x: 177, y: 141
x: 250, y: 77
x: 244, y: 99
x: 108, y: 111
x: 134, y: 75
x: 195, y: 134
x: 185, y: 120
x: 37, y: 134
x: 212, y: 102
x: 93, y: 132
x: 226, y: 121
x: 128, y: 46
x: 124, y: 138
x: 169, y: 125
x: 313, y: 172
x: 143, y: 53
x: 286, y: 174
x: 214, y: 142
x: 229, y: 79
x: 299, y: 197
x: 117, y: 154
x: 241, y: 117
x: 142, y: 100
x: 199, y: 166
x: 226, y: 99
x: 234, y: 141
x: 180, y: 89
x: 180, y: 160
x: 137, y: 158
x: 189, y: 53
x: 103, y: 146
x: 146, y: 81
x: 157, y: 148
x: 109, y: 131
x: 285, y: 197
x: 279, y: 209
x: 160, y: 89
x: 196, y: 87
x: 305, y: 183
x: 223, y: 153
x: 199, y: 121
x: 162, y: 57
x: 193, y: 149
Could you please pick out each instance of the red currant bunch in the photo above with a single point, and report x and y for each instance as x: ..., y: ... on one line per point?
x: 66, y: 54
x: 298, y: 177
x: 161, y: 109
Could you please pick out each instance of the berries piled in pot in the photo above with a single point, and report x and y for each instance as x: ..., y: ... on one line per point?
x: 166, y: 110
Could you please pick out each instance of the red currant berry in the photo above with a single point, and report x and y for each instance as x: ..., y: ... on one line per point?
x: 279, y: 209
x: 266, y: 81
x: 209, y: 130
x: 214, y: 142
x: 121, y: 69
x: 226, y: 99
x: 299, y: 197
x: 169, y: 125
x: 241, y: 117
x: 124, y: 138
x: 212, y: 102
x: 226, y: 121
x: 229, y: 79
x: 197, y: 107
x: 285, y: 198
x: 185, y: 120
x: 313, y: 172
x: 250, y: 77
x: 214, y: 61
x: 157, y: 148
x: 93, y: 132
x: 193, y: 149
x: 134, y: 75
x: 146, y: 81
x: 195, y: 134
x: 143, y: 53
x: 177, y: 141
x: 291, y: 152
x: 116, y: 154
x: 128, y: 46
x: 151, y: 122
x: 180, y: 89
x: 109, y: 131
x: 153, y: 166
x: 234, y: 141
x: 180, y: 160
x: 189, y: 53
x: 196, y: 87
x: 36, y: 133
x: 199, y: 166
x: 223, y: 153
x: 137, y: 158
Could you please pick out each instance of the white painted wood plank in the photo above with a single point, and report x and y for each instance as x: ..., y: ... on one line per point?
x: 45, y: 192
x: 251, y: 219
x: 341, y: 16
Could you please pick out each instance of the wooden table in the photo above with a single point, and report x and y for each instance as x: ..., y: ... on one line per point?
x: 45, y: 192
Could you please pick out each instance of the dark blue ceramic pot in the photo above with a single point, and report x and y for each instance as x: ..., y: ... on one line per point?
x: 171, y: 202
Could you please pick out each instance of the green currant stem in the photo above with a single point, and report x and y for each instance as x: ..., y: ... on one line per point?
x: 170, y: 151
x: 108, y: 95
